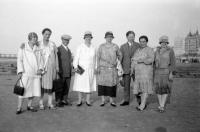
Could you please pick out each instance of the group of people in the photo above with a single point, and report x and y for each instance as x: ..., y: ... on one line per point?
x: 41, y: 63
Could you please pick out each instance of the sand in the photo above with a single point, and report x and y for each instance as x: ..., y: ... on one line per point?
x: 182, y: 115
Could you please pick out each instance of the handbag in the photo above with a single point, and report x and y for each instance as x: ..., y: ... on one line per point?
x: 80, y: 70
x: 19, y: 90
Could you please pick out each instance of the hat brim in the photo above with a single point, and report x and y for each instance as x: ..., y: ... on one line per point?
x: 163, y: 42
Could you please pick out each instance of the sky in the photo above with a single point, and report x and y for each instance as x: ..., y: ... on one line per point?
x: 154, y: 18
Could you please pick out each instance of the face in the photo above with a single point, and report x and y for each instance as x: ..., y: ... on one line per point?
x: 109, y: 39
x: 65, y: 41
x: 131, y: 37
x: 34, y: 40
x: 46, y: 35
x: 88, y: 39
x: 163, y: 44
x: 143, y: 42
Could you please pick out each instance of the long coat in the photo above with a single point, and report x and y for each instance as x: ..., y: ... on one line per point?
x: 29, y: 61
x: 127, y: 53
x: 65, y: 61
x: 86, y: 58
x: 49, y: 54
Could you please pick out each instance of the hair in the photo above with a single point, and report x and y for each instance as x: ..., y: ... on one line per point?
x: 46, y: 29
x: 31, y: 35
x: 130, y: 32
x: 144, y: 37
x: 87, y: 35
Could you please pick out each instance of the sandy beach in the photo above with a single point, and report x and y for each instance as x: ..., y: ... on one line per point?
x: 182, y: 113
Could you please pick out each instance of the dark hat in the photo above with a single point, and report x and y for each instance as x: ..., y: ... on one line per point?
x: 88, y: 34
x: 109, y: 33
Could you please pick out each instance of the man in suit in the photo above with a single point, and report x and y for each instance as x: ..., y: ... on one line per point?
x: 65, y: 69
x: 128, y: 49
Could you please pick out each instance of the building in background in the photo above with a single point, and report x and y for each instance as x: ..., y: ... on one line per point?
x: 179, y: 46
x: 192, y: 43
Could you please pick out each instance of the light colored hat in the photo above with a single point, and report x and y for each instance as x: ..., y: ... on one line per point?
x: 88, y: 33
x: 65, y: 36
x: 164, y: 39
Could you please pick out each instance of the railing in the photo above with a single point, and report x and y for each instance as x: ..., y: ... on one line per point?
x: 11, y: 56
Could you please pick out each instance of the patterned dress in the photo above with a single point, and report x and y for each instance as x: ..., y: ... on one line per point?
x: 51, y: 68
x: 107, y: 60
x: 164, y: 64
x: 142, y: 65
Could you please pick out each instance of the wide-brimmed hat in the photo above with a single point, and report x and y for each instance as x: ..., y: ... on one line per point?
x: 164, y: 39
x: 109, y: 34
x: 88, y: 34
x: 65, y: 36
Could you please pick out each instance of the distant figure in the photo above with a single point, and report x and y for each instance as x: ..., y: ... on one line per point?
x: 107, y: 59
x: 128, y: 49
x: 51, y: 69
x: 142, y: 67
x: 85, y: 59
x: 164, y: 69
x: 65, y: 69
x: 29, y: 69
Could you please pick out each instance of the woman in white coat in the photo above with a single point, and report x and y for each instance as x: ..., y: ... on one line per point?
x: 29, y: 69
x: 86, y: 58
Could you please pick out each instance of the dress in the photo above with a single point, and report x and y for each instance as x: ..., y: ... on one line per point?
x: 29, y: 61
x: 86, y: 58
x: 51, y: 67
x: 143, y: 70
x: 164, y: 64
x: 107, y: 60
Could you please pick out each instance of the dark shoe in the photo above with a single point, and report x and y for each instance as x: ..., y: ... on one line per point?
x: 60, y: 104
x: 52, y: 107
x: 145, y: 107
x: 138, y: 109
x: 113, y: 104
x: 19, y: 111
x: 138, y: 98
x: 79, y: 104
x: 66, y: 103
x: 124, y: 103
x: 30, y: 108
x: 88, y: 104
x: 102, y: 104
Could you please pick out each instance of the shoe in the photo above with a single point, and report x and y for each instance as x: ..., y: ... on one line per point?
x: 52, y: 107
x: 124, y: 103
x: 30, y: 108
x: 138, y: 98
x: 102, y: 104
x: 113, y: 104
x: 19, y: 111
x: 66, y: 103
x: 79, y: 104
x: 138, y: 109
x: 88, y: 104
x: 161, y: 109
x: 59, y: 104
x: 41, y: 107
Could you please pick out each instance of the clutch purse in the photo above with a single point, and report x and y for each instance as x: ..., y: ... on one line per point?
x: 19, y: 90
x: 80, y: 70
